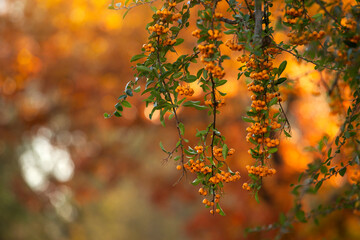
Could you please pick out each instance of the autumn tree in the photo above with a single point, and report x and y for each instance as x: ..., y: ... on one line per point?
x: 256, y: 34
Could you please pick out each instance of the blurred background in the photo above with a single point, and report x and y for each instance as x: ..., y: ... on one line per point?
x: 68, y: 173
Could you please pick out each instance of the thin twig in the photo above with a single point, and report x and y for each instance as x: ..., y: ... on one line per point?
x: 308, y: 60
x: 328, y: 13
x: 331, y: 89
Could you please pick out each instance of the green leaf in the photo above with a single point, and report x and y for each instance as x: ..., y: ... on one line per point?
x: 137, y: 57
x: 127, y: 11
x: 137, y: 89
x: 177, y: 75
x: 129, y: 92
x: 272, y: 150
x: 318, y: 185
x: 162, y: 147
x: 342, y: 171
x: 317, y: 16
x: 190, y: 78
x: 196, y: 181
x: 221, y: 211
x: 117, y: 114
x: 181, y: 128
x: 126, y: 104
x: 257, y: 197
x: 122, y: 97
x: 323, y: 169
x: 153, y: 8
x: 246, y: 119
x: 329, y: 152
x: 195, y: 104
x: 106, y: 115
x: 220, y: 83
x: 286, y: 133
x: 300, y: 215
x: 142, y: 68
x: 179, y: 41
x: 119, y: 107
x: 273, y: 101
x: 280, y: 81
x: 295, y: 190
x: 281, y: 67
x: 225, y: 150
x: 282, y: 218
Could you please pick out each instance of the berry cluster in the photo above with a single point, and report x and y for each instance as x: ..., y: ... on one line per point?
x: 199, y: 149
x: 302, y: 38
x: 294, y: 15
x: 263, y: 126
x: 214, y: 34
x: 219, y: 102
x: 224, y: 177
x: 163, y: 14
x: 234, y: 46
x: 197, y: 167
x: 218, y: 152
x: 149, y: 47
x: 196, y: 33
x: 185, y: 90
x: 261, y: 171
x: 159, y: 29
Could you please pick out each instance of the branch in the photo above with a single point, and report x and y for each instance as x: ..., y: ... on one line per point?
x: 258, y: 23
x: 229, y: 21
x: 248, y: 7
x: 334, y: 84
x: 308, y: 60
x: 322, y: 6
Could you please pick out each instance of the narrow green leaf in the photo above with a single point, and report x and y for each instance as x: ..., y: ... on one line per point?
x: 286, y: 133
x: 282, y: 67
x: 246, y: 119
x: 137, y: 57
x: 177, y: 75
x: 122, y: 97
x: 222, y: 213
x: 127, y: 11
x: 280, y: 81
x: 196, y: 181
x: 162, y: 147
x: 142, y: 68
x: 195, y: 104
x: 137, y: 89
x: 257, y: 197
x: 318, y: 185
x: 179, y: 41
x: 272, y: 150
x: 225, y: 150
x: 181, y: 128
x: 273, y: 101
x: 126, y: 104
x: 329, y: 152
